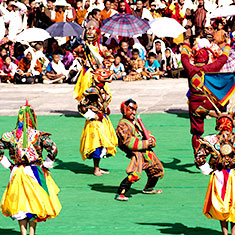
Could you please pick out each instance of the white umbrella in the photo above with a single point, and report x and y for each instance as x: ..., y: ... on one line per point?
x: 33, y: 35
x: 166, y: 27
x: 222, y: 12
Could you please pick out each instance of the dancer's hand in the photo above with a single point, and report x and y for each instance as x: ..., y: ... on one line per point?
x: 151, y: 143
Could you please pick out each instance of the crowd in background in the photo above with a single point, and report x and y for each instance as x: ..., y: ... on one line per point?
x: 139, y: 57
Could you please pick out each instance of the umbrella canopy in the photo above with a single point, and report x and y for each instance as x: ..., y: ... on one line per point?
x: 223, y: 12
x: 124, y: 25
x: 65, y: 29
x: 33, y: 35
x: 166, y: 27
x: 230, y: 64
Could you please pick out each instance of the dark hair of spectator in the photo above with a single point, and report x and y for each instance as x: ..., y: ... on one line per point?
x: 178, y: 48
x: 151, y: 54
x: 135, y: 50
x: 4, y: 57
x: 120, y: 43
x: 95, y: 11
x: 115, y: 56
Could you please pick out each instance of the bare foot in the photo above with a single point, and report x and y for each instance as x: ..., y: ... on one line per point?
x: 97, y: 173
x: 154, y: 191
x: 104, y: 172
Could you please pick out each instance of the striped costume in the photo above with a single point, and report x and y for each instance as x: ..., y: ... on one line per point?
x: 130, y: 141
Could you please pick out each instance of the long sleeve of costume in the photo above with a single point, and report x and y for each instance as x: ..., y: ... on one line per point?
x: 128, y: 140
x: 49, y: 146
x: 213, y: 67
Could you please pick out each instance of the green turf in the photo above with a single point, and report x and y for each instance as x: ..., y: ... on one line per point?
x: 88, y: 201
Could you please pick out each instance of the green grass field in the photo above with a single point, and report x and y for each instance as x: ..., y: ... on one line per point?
x: 88, y: 205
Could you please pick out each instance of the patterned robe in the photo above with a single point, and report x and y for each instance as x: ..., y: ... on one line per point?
x: 130, y: 141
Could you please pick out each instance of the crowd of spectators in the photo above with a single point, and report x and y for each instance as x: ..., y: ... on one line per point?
x: 139, y: 57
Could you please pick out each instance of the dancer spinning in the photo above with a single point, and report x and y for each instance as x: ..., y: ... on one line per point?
x: 220, y: 200
x: 31, y: 194
x: 137, y: 145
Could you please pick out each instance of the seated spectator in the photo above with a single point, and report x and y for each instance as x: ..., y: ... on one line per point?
x: 77, y: 65
x: 151, y: 68
x: 171, y: 64
x: 8, y: 70
x: 29, y: 69
x: 125, y: 55
x: 3, y: 52
x: 123, y: 7
x: 55, y: 71
x: 140, y: 47
x: 137, y: 66
x: 112, y: 44
x: 41, y: 57
x: 68, y: 58
x: 118, y: 68
x: 159, y: 49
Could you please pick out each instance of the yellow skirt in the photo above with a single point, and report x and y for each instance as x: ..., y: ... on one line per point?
x: 30, y: 191
x: 97, y: 134
x: 220, y: 201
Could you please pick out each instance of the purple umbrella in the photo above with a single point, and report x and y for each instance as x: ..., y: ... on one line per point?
x: 124, y: 25
x: 65, y: 29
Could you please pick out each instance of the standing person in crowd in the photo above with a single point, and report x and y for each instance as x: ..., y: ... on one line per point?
x: 219, y: 200
x: 199, y: 105
x: 123, y: 7
x: 15, y: 17
x: 63, y: 12
x: 31, y: 195
x: 29, y: 69
x: 199, y: 17
x: 219, y: 35
x: 81, y: 12
x: 107, y: 11
x: 142, y: 12
x: 95, y: 19
x: 133, y: 142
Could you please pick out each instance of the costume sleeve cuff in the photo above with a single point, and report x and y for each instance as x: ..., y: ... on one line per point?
x: 48, y: 163
x: 89, y: 115
x: 205, y: 169
x: 5, y: 162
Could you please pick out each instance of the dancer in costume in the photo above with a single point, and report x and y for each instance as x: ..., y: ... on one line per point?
x: 92, y: 91
x: 199, y: 105
x: 98, y: 138
x: 31, y: 194
x: 137, y: 145
x: 220, y: 196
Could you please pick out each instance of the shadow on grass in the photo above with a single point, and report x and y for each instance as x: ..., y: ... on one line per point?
x: 68, y: 113
x: 174, y: 165
x: 179, y: 228
x: 179, y: 112
x: 75, y: 167
x: 112, y: 189
x: 8, y: 231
